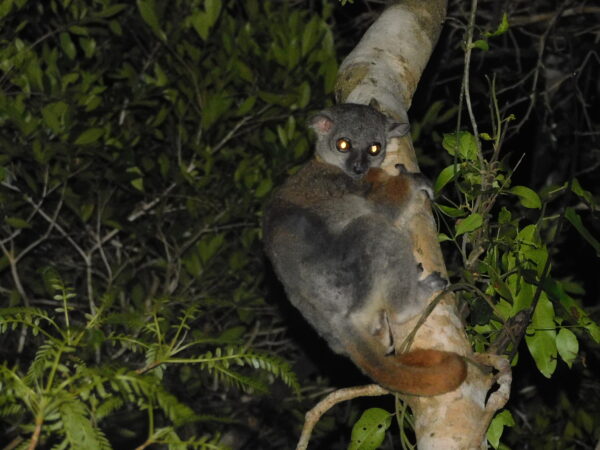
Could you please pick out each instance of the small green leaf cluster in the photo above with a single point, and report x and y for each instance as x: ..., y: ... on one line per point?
x: 506, y: 258
x: 504, y: 235
x: 483, y: 43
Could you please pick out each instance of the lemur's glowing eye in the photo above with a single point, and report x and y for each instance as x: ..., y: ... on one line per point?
x: 343, y: 144
x: 374, y: 149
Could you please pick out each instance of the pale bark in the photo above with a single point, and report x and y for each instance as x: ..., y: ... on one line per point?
x: 386, y: 66
x: 314, y: 415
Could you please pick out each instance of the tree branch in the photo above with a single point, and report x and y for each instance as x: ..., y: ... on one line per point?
x: 341, y: 395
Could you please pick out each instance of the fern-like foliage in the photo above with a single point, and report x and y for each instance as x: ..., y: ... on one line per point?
x: 78, y: 429
x: 170, y: 437
x: 35, y: 319
x: 63, y: 397
x: 220, y: 363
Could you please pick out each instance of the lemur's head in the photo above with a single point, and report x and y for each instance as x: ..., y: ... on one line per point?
x: 354, y: 137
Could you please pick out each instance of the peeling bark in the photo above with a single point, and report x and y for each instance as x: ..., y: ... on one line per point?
x: 386, y: 66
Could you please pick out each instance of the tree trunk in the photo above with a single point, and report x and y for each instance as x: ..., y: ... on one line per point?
x: 386, y: 66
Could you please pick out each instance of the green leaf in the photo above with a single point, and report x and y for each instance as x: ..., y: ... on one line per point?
x: 67, y: 45
x: 5, y: 7
x: 191, y: 261
x: 504, y: 216
x: 529, y: 235
x: 203, y: 21
x: 368, y: 432
x: 147, y: 9
x: 329, y: 70
x: 451, y: 211
x: 209, y: 246
x: 541, y: 337
x: 481, y: 44
x: 137, y: 181
x: 15, y: 222
x: 445, y: 176
x: 528, y: 197
x: 89, y: 136
x: 115, y: 27
x: 502, y: 27
x: 85, y: 211
x: 501, y: 287
x: 264, y: 188
x: 34, y: 74
x: 572, y: 216
x: 524, y: 297
x: 594, y: 329
x: 246, y: 106
x: 215, y: 106
x: 88, y: 45
x: 233, y: 333
x: 282, y: 136
x: 161, y: 77
x: 76, y: 29
x: 502, y: 419
x: 277, y: 99
x: 201, y: 24
x: 469, y: 224
x: 111, y: 10
x: 213, y: 8
x: 567, y: 345
x: 581, y: 192
x: 164, y: 164
x: 53, y: 115
x: 303, y: 95
x: 310, y: 36
x: 568, y: 303
x: 244, y: 71
x: 464, y: 142
x: 442, y: 237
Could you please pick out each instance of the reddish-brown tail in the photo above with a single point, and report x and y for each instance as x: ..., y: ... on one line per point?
x: 419, y: 372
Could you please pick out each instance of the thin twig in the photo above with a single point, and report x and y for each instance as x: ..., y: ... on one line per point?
x: 466, y: 83
x: 538, y: 67
x: 85, y: 256
x: 543, y: 17
x: 35, y: 437
x: 405, y: 346
x: 341, y: 395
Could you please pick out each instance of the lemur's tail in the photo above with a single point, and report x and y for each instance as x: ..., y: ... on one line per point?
x: 423, y: 372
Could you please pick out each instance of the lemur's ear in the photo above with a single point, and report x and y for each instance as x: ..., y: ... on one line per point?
x: 394, y: 129
x: 322, y: 123
x: 375, y: 104
x: 397, y: 129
